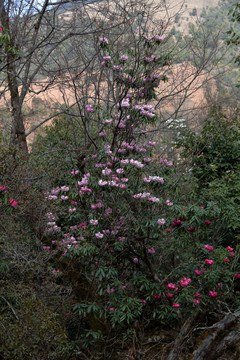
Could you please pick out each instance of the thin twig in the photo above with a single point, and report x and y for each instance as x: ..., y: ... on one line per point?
x: 14, y: 312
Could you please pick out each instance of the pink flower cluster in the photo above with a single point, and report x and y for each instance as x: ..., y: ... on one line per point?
x: 52, y: 227
x: 158, y: 179
x: 13, y: 203
x: 169, y: 203
x: 157, y: 38
x: 166, y: 162
x: 151, y: 251
x: 176, y: 222
x: 141, y: 195
x: 98, y: 205
x: 150, y: 59
x: 117, y: 67
x: 103, y: 40
x: 89, y: 108
x: 84, y: 180
x: 124, y: 57
x: 153, y: 199
x: 74, y: 172
x: 93, y: 222
x: 208, y: 247
x: 185, y: 281
x: 145, y: 110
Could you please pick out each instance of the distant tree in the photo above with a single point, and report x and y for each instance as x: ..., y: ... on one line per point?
x: 193, y: 12
x: 37, y: 32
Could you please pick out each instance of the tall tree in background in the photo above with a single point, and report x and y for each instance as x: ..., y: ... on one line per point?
x: 35, y: 30
x: 55, y: 45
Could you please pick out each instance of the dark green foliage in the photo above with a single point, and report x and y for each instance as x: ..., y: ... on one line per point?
x: 215, y: 154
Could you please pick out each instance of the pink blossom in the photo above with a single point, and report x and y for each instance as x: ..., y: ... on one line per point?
x: 74, y: 172
x: 143, y: 301
x: 99, y: 235
x: 121, y: 238
x: 103, y: 40
x: 124, y: 287
x: 169, y: 203
x: 213, y: 293
x: 198, y: 272
x: 197, y: 301
x: 103, y: 133
x: 159, y: 38
x: 157, y: 296
x: 99, y: 204
x: 102, y: 183
x: 106, y: 172
x: 135, y: 260
x: 125, y: 103
x: 191, y: 229
x: 89, y: 108
x: 208, y: 247
x: 169, y: 230
x: 108, y: 211
x: 13, y: 203
x: 107, y: 57
x: 84, y: 189
x: 153, y: 199
x: 197, y: 295
x: 72, y: 210
x: 185, y: 281
x: 229, y: 248
x: 207, y: 222
x: 113, y: 309
x: 226, y: 260
x: 176, y: 306
x: 124, y: 162
x: 237, y: 276
x: 55, y: 191
x: 64, y: 197
x: 151, y: 251
x: 124, y: 58
x: 208, y: 262
x: 110, y: 291
x: 55, y: 272
x: 161, y: 221
x: 3, y: 188
x: 171, y: 286
x: 169, y: 295
x: 117, y: 67
x: 176, y: 222
x: 93, y: 222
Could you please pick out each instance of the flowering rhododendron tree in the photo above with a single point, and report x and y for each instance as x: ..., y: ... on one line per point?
x: 132, y: 247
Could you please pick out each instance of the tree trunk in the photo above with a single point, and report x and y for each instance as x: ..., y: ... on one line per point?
x: 18, y: 134
x: 221, y: 338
